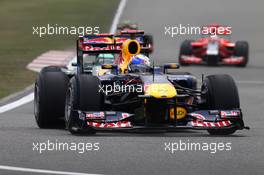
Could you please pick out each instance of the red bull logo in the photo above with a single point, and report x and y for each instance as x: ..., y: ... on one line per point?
x: 120, y: 39
x: 99, y: 40
x: 92, y: 48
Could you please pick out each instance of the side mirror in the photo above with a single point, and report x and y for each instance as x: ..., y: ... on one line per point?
x: 170, y: 66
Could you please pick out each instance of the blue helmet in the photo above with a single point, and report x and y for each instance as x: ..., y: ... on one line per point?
x: 140, y: 59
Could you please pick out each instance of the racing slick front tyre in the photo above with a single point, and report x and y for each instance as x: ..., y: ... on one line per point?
x: 49, y: 97
x: 185, y: 49
x: 221, y: 93
x: 82, y: 94
x: 242, y: 50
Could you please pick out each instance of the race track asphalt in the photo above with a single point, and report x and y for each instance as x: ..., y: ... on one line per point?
x: 123, y: 153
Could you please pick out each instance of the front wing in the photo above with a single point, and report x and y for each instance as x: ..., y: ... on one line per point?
x: 189, y: 59
x: 121, y: 121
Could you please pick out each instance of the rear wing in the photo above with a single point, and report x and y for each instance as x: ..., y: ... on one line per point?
x: 109, y: 43
x: 95, y: 44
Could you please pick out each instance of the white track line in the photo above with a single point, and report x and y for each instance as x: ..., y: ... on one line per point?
x: 30, y: 97
x: 26, y: 99
x: 12, y: 168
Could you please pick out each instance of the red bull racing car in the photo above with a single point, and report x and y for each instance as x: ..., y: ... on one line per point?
x: 133, y: 97
x: 214, y: 48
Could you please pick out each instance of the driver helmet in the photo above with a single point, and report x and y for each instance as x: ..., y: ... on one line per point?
x: 140, y: 59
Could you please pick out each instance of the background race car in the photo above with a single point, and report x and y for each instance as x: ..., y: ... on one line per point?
x: 213, y: 48
x: 129, y: 25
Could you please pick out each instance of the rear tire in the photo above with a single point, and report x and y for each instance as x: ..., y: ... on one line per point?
x: 185, y: 49
x: 242, y: 49
x: 221, y: 94
x: 50, y: 91
x: 83, y: 94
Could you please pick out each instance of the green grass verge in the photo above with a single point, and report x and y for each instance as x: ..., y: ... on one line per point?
x: 18, y: 46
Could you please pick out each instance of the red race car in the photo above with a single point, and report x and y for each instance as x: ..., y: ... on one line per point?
x: 213, y: 48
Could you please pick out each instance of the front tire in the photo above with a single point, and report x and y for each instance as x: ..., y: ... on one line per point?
x: 83, y: 94
x: 221, y: 94
x: 242, y: 49
x: 185, y: 49
x: 49, y: 97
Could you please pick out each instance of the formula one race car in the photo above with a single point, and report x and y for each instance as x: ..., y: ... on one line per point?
x: 214, y: 49
x: 128, y: 25
x: 133, y: 95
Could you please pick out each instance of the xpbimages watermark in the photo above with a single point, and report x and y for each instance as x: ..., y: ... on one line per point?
x: 182, y: 146
x: 180, y: 29
x: 120, y: 88
x: 80, y: 147
x: 130, y: 88
x: 56, y: 29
